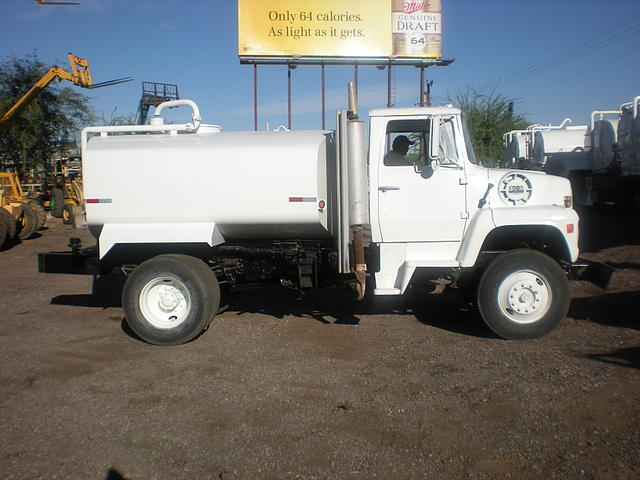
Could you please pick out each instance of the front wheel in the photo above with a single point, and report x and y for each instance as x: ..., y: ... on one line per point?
x: 523, y: 294
x: 170, y: 299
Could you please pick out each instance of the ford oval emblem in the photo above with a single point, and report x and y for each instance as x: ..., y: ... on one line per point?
x: 515, y: 189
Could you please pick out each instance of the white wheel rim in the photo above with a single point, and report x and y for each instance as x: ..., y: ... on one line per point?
x: 524, y: 296
x: 165, y: 302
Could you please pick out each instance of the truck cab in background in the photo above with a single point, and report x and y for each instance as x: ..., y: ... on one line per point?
x: 326, y: 209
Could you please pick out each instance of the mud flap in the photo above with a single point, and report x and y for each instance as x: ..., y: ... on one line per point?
x: 597, y: 273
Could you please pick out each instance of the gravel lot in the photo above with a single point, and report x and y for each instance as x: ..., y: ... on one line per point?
x: 324, y: 387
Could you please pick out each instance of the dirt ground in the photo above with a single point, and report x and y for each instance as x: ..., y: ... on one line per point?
x: 321, y: 388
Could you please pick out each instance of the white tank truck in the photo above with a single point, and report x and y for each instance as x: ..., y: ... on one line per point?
x: 601, y: 159
x: 312, y: 208
x: 530, y: 149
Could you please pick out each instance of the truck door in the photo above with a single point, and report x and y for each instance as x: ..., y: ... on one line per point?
x: 421, y: 200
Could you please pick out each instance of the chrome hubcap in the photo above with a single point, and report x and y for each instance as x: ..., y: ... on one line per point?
x: 524, y: 296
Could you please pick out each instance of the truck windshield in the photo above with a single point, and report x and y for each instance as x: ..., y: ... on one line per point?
x: 467, y: 141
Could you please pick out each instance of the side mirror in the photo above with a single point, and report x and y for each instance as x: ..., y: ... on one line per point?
x: 434, y: 139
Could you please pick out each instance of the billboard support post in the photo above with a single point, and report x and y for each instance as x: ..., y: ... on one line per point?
x: 389, y: 86
x: 422, y: 86
x: 255, y: 97
x: 290, y: 67
x: 323, y: 96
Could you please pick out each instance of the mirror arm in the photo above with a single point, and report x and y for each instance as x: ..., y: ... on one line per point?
x: 434, y: 141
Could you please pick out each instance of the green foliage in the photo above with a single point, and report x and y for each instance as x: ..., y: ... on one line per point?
x: 49, y: 124
x: 488, y: 118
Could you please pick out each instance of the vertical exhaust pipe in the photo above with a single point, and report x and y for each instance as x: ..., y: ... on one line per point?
x: 358, y: 191
x: 352, y: 114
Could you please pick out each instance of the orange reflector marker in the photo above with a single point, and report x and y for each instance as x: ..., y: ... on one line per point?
x: 321, y: 204
x: 569, y: 227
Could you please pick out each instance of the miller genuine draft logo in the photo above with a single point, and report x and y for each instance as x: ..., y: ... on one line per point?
x: 416, y: 28
x: 412, y: 7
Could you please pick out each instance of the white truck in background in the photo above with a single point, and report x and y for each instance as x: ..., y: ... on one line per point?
x: 199, y: 208
x: 601, y: 159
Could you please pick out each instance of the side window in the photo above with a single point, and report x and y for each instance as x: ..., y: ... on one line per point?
x: 406, y: 142
x: 447, y: 151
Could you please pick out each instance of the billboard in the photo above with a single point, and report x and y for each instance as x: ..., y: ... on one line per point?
x: 338, y: 28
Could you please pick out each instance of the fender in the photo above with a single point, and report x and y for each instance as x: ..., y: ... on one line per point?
x: 113, y: 233
x: 486, y: 220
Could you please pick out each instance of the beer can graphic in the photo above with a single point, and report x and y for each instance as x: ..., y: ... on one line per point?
x: 417, y: 28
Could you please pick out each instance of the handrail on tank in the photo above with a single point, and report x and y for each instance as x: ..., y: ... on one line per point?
x: 509, y: 135
x: 602, y: 113
x: 630, y: 104
x: 195, y: 111
x: 156, y: 123
x: 537, y: 127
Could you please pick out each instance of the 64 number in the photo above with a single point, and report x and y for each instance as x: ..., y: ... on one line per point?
x: 418, y: 41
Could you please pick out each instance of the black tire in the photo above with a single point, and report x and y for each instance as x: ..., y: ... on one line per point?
x: 188, y: 290
x: 28, y: 222
x: 4, y: 231
x: 523, y: 294
x: 11, y: 225
x: 57, y: 202
x: 67, y: 215
x: 41, y: 214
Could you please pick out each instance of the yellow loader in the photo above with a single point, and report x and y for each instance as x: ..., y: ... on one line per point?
x: 19, y: 218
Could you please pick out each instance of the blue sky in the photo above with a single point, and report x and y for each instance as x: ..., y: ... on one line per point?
x: 556, y: 58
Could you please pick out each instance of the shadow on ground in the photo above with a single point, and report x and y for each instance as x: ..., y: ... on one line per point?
x: 623, y: 357
x: 337, y: 306
x: 603, y: 227
x: 106, y: 293
x: 612, y: 309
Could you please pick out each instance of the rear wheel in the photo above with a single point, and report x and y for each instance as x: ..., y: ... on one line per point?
x: 28, y: 222
x: 40, y: 213
x: 523, y: 294
x: 170, y: 299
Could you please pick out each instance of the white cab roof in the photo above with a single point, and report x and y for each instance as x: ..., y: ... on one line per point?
x: 413, y: 111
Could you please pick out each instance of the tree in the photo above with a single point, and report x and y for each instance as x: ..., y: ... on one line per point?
x: 488, y: 118
x: 51, y: 122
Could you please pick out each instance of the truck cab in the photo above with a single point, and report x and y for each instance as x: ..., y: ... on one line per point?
x: 443, y: 210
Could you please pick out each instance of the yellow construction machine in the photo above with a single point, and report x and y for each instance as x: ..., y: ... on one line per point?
x: 28, y: 217
x: 66, y: 199
x: 19, y: 218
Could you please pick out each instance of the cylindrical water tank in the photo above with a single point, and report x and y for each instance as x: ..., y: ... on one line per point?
x: 517, y: 148
x: 629, y: 140
x: 562, y: 140
x: 250, y: 184
x: 603, y: 140
x: 561, y: 150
